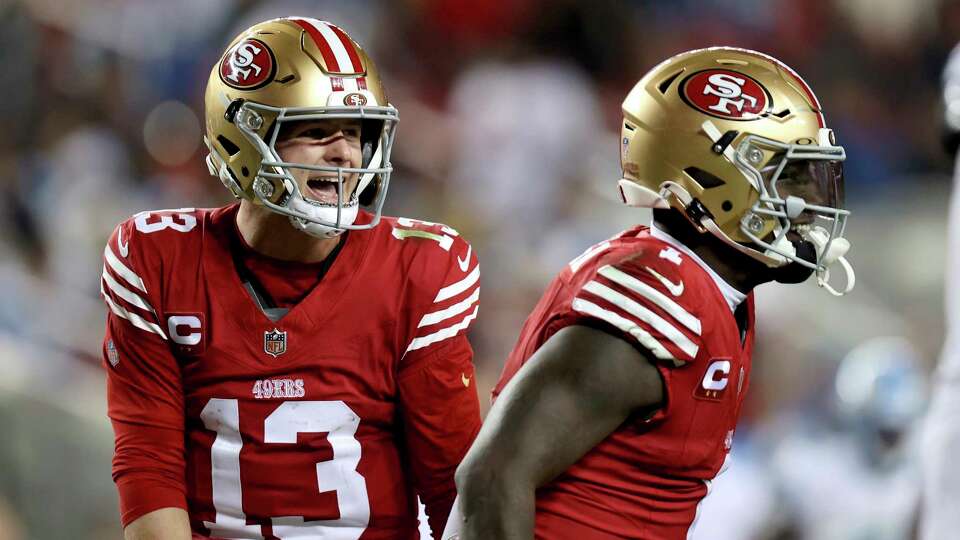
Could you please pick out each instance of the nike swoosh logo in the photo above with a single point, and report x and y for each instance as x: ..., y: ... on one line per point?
x: 675, y: 289
x: 465, y: 380
x: 124, y: 247
x: 464, y: 262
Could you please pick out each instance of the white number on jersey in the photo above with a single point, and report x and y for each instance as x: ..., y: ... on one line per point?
x: 149, y: 222
x: 282, y: 426
x: 413, y: 228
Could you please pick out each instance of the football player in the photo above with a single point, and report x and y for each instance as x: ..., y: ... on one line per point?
x: 618, y: 404
x: 940, y: 515
x: 291, y: 365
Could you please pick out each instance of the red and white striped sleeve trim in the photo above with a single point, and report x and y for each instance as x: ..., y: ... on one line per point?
x: 125, y: 294
x: 337, y: 49
x: 454, y: 308
x: 659, y: 324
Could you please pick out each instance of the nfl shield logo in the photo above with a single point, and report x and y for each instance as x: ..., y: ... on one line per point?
x: 274, y: 342
x: 112, y: 355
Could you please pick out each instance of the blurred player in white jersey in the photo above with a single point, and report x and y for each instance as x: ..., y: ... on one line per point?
x: 940, y: 517
x: 859, y: 479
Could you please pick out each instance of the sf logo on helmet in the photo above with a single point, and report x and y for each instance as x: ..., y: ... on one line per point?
x: 730, y: 90
x: 247, y: 66
x: 355, y: 100
x: 726, y: 94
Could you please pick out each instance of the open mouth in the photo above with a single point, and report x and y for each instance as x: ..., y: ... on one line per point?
x: 324, y: 189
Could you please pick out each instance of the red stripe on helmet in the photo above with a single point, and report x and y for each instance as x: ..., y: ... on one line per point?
x: 806, y: 90
x: 328, y: 57
x: 348, y: 45
x: 362, y: 83
x: 803, y: 84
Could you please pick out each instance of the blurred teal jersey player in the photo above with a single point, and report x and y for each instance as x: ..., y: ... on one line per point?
x: 940, y: 516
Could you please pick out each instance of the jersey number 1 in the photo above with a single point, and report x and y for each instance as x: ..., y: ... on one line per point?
x: 416, y: 228
x: 282, y: 426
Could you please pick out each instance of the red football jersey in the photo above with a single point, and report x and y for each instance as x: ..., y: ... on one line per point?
x: 326, y: 423
x: 647, y: 478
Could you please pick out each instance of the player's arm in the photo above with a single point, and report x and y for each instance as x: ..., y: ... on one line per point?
x: 439, y: 406
x: 145, y: 398
x: 162, y: 524
x: 571, y: 394
x: 441, y: 417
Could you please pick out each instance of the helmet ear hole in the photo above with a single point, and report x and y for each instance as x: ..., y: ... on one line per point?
x: 727, y: 206
x: 705, y: 179
x: 228, y: 145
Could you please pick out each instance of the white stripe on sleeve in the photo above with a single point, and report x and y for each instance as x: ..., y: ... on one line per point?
x: 649, y: 342
x: 134, y: 319
x: 655, y: 296
x: 441, y: 335
x: 456, y: 309
x: 121, y: 269
x: 118, y: 289
x: 658, y: 323
x: 458, y: 287
x: 586, y: 256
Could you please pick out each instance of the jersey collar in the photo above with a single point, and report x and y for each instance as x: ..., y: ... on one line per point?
x: 730, y: 294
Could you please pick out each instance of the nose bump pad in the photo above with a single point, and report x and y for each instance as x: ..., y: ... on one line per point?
x: 794, y: 206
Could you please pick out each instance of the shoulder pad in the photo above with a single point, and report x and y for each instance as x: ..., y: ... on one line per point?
x: 648, y: 293
x: 134, y: 258
x: 444, y: 279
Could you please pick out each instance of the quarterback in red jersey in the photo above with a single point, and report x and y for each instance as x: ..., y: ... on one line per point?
x: 618, y: 405
x: 290, y: 366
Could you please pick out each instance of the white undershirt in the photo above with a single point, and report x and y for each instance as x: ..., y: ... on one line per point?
x: 730, y: 294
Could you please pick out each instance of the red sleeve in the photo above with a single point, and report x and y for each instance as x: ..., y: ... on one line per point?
x: 144, y: 389
x: 447, y: 300
x: 439, y: 402
x: 441, y: 417
x: 647, y: 304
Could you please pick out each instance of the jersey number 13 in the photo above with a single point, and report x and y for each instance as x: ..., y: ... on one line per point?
x: 282, y: 426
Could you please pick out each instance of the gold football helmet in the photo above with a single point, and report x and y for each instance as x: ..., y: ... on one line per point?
x: 736, y: 141
x: 289, y: 70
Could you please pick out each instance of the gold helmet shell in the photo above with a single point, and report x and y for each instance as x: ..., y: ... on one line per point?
x: 711, y: 132
x: 293, y: 69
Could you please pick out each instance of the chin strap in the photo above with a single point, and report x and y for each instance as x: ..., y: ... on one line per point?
x: 818, y: 236
x: 707, y: 222
x: 823, y: 280
x: 834, y: 254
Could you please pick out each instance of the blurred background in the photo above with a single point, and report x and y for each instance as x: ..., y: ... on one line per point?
x: 509, y: 132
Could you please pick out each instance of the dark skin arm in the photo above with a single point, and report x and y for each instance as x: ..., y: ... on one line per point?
x: 577, y: 388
